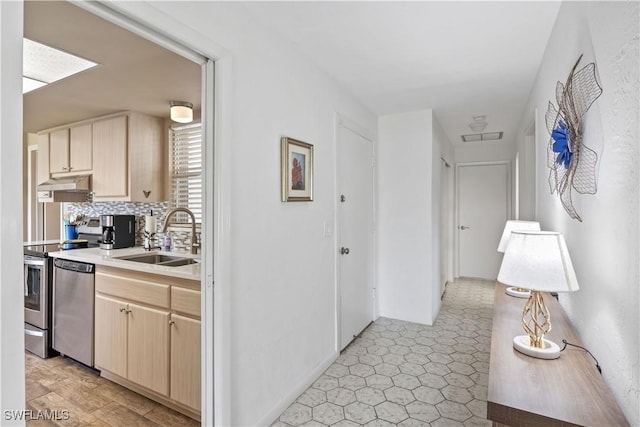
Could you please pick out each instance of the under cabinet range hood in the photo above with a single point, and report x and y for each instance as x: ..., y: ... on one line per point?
x: 68, y: 189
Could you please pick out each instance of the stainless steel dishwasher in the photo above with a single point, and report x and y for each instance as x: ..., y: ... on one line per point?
x: 73, y: 307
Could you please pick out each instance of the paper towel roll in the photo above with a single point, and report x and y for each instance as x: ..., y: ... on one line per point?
x: 150, y: 224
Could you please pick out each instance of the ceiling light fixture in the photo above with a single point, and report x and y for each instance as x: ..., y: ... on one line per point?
x: 477, y: 137
x: 181, y: 111
x: 479, y: 124
x: 42, y: 65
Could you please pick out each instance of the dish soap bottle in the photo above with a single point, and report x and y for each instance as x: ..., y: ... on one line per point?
x: 167, y: 242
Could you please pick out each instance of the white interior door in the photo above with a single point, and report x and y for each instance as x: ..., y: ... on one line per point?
x: 484, y: 207
x: 355, y: 240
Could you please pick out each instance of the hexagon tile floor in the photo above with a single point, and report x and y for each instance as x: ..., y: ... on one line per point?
x: 408, y: 374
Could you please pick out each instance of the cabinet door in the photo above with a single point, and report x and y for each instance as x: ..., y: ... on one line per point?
x: 148, y: 342
x: 59, y: 151
x: 110, y: 171
x: 43, y: 158
x: 185, y: 361
x: 80, y: 149
x: 111, y: 335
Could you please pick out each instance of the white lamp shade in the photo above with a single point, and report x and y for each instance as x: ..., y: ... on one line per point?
x: 181, y: 112
x: 512, y: 225
x: 538, y: 260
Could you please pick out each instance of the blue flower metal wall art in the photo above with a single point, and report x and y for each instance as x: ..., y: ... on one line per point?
x: 572, y: 164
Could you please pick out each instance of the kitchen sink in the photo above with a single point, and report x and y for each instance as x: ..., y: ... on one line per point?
x: 159, y: 259
x: 180, y: 261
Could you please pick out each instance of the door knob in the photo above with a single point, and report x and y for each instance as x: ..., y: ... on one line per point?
x: 464, y: 227
x: 344, y: 251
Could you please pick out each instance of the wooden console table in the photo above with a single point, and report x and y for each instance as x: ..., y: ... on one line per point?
x: 525, y: 391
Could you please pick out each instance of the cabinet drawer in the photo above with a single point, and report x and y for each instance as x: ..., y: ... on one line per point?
x: 133, y: 289
x: 185, y: 301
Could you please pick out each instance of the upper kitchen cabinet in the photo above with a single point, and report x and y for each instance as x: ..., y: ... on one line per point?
x: 70, y: 151
x: 128, y: 158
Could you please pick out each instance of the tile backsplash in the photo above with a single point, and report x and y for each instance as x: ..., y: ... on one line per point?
x: 181, y: 240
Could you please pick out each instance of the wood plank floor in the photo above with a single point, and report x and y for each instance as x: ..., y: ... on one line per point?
x: 78, y: 396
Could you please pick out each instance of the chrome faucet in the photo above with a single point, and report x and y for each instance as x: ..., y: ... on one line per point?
x: 194, y: 238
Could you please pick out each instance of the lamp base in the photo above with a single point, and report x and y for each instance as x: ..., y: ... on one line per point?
x: 518, y: 292
x: 550, y: 350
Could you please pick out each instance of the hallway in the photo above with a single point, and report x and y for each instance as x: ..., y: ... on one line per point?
x: 401, y: 373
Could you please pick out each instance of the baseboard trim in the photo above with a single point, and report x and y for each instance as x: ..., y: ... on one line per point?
x: 287, y: 400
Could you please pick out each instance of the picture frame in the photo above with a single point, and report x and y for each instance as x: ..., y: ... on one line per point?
x: 296, y: 170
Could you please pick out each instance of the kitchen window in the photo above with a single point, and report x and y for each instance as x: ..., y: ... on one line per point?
x: 186, y: 170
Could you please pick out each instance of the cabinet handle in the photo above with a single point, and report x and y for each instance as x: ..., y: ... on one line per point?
x: 122, y: 309
x: 172, y: 322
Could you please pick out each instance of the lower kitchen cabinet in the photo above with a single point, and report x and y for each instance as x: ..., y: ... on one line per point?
x: 147, y: 335
x: 132, y: 341
x: 148, y: 344
x: 185, y: 361
x: 111, y: 335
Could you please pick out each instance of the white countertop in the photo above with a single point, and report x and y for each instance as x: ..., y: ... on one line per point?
x: 42, y: 242
x: 110, y: 258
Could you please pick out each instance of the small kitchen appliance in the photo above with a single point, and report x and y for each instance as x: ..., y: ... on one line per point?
x: 118, y: 231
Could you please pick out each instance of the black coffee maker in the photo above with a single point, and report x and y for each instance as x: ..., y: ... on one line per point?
x: 118, y: 231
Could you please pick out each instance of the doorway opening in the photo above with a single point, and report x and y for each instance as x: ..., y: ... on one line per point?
x: 210, y: 189
x: 483, y: 206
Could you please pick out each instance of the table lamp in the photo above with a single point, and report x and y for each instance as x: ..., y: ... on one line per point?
x: 539, y: 261
x: 510, y: 226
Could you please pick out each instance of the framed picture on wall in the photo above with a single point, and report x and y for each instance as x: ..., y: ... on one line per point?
x: 297, y: 171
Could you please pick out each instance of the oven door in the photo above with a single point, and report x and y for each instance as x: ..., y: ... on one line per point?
x: 36, y: 292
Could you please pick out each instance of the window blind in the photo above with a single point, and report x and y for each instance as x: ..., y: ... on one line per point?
x: 186, y: 170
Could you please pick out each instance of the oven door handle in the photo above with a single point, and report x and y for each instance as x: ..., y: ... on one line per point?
x: 34, y: 262
x: 34, y: 333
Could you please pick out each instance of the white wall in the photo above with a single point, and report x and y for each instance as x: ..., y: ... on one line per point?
x: 405, y: 229
x: 282, y: 288
x: 12, y: 394
x: 604, y: 247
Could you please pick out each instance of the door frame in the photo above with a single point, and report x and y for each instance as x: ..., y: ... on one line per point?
x: 146, y: 21
x: 530, y: 150
x: 342, y: 121
x: 508, y: 164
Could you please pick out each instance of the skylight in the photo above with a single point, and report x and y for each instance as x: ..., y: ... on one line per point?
x: 43, y: 65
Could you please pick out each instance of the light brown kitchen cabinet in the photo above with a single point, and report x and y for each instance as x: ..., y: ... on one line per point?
x: 59, y: 151
x: 148, y: 341
x: 128, y: 158
x: 147, y: 335
x: 80, y: 149
x: 124, y: 153
x: 110, y: 339
x: 110, y: 157
x: 70, y: 150
x: 185, y: 346
x: 185, y: 360
x: 132, y: 341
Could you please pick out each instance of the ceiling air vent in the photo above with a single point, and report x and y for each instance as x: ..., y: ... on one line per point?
x: 477, y: 137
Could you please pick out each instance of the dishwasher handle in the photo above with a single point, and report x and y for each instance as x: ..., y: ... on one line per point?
x: 79, y: 267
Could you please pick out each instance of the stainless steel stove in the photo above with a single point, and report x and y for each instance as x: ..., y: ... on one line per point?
x: 38, y: 277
